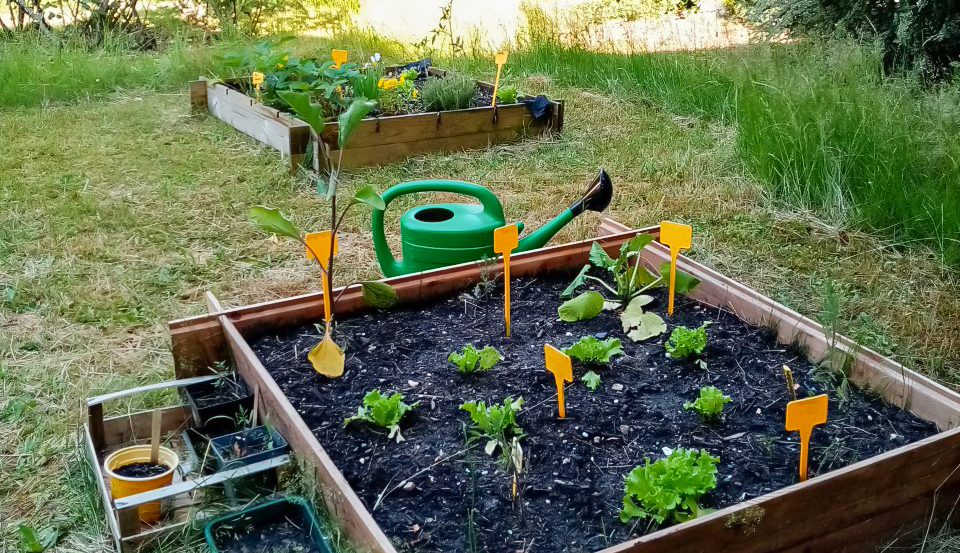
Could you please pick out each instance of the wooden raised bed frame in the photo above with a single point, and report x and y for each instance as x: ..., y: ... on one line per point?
x: 376, y: 140
x: 852, y: 509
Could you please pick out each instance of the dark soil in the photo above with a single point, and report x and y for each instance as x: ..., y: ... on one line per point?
x: 572, y: 491
x: 276, y: 537
x: 141, y: 470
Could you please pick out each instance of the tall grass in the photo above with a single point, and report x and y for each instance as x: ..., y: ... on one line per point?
x: 817, y: 122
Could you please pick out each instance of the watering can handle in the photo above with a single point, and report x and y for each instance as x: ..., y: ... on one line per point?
x: 389, y: 264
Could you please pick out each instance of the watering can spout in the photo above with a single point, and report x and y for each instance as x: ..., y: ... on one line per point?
x: 597, y: 198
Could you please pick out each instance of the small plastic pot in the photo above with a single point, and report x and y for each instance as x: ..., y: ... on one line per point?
x: 122, y: 486
x: 220, y: 530
x: 229, y: 407
x: 252, y: 439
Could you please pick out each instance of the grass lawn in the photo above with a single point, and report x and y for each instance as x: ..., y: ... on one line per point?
x: 119, y: 212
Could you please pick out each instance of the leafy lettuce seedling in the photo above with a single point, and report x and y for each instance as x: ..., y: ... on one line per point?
x: 669, y: 489
x: 471, y: 360
x: 686, y: 342
x: 496, y: 423
x: 710, y: 403
x: 591, y: 379
x: 384, y: 411
x: 593, y: 351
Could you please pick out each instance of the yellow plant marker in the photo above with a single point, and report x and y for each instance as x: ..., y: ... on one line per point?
x: 257, y: 78
x: 505, y: 239
x: 326, y: 357
x: 339, y: 56
x: 501, y: 59
x: 679, y: 237
x: 803, y: 415
x: 559, y: 364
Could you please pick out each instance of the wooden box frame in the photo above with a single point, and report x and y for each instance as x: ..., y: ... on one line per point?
x: 852, y: 509
x: 375, y: 140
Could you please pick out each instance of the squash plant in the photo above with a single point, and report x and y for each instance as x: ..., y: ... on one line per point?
x: 377, y: 294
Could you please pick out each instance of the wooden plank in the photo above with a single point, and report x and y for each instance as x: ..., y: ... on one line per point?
x: 136, y: 426
x: 341, y: 502
x: 389, y: 153
x: 187, y: 486
x: 95, y: 426
x: 840, y: 511
x: 198, y: 95
x: 242, y: 113
x: 197, y: 347
x: 99, y: 400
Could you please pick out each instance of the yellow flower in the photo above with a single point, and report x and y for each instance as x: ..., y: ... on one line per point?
x: 416, y: 92
x: 387, y: 84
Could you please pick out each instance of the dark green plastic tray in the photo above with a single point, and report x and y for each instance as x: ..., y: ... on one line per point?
x: 294, y: 508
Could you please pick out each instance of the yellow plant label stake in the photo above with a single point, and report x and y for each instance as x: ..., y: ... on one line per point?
x: 562, y: 368
x: 257, y: 78
x: 318, y: 243
x: 803, y: 415
x: 679, y: 237
x: 501, y: 59
x: 505, y: 239
x: 339, y: 56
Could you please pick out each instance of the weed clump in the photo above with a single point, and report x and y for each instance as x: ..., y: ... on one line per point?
x: 447, y: 93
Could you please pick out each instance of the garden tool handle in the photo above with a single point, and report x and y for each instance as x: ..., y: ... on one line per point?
x: 488, y: 199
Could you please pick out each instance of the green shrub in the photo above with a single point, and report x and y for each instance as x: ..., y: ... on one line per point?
x: 670, y: 488
x: 686, y: 342
x: 710, y: 402
x: 447, y: 93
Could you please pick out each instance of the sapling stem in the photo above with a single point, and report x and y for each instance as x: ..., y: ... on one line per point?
x: 604, y: 284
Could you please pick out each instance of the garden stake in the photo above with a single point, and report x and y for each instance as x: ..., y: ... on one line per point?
x: 803, y: 415
x: 501, y: 59
x: 327, y: 357
x: 506, y: 238
x: 559, y: 364
x: 257, y: 78
x: 679, y: 237
x: 155, y: 436
x: 339, y: 56
x: 791, y: 388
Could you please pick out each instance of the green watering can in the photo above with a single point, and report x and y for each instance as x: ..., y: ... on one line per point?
x: 437, y: 235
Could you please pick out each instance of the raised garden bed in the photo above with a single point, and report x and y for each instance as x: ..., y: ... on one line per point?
x: 577, y: 464
x: 376, y: 140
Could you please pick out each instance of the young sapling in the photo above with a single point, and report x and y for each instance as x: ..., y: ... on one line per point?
x: 591, y: 350
x: 686, y: 342
x: 471, y: 360
x: 591, y: 379
x: 495, y: 423
x: 384, y: 411
x: 669, y: 489
x: 709, y: 403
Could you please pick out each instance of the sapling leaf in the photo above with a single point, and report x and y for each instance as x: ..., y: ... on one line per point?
x: 271, y: 220
x: 634, y: 311
x: 348, y: 120
x: 591, y: 379
x: 579, y: 281
x: 600, y: 258
x: 367, y: 194
x: 314, y: 114
x: 685, y: 281
x: 379, y: 294
x: 650, y: 325
x: 585, y: 306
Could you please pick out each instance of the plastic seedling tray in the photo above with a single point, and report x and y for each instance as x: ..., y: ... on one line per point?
x: 247, y: 447
x: 222, y: 397
x: 289, y: 520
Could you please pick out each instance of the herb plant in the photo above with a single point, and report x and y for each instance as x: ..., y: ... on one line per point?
x: 591, y: 379
x: 593, y: 351
x: 471, y: 360
x: 384, y: 411
x: 710, y: 403
x: 669, y: 489
x: 496, y: 423
x: 686, y: 342
x: 447, y: 93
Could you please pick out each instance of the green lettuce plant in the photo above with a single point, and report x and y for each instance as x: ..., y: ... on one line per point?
x: 709, y: 403
x: 591, y: 350
x: 384, y: 411
x: 471, y: 360
x: 507, y: 95
x: 669, y: 489
x: 591, y: 379
x: 687, y: 342
x: 496, y: 423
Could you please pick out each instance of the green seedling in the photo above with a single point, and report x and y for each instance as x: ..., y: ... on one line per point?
x: 471, y: 360
x: 591, y: 350
x: 629, y: 279
x: 591, y: 379
x: 507, y: 95
x: 669, y: 489
x: 710, y: 403
x: 497, y: 424
x: 384, y: 411
x: 687, y: 342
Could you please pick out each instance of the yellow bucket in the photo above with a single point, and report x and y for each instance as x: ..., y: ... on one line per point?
x: 121, y: 486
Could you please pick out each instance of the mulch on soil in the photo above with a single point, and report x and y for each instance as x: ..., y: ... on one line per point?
x: 572, y: 492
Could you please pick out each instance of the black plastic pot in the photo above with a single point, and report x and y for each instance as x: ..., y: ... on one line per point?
x: 223, y: 397
x: 223, y: 532
x: 247, y: 447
